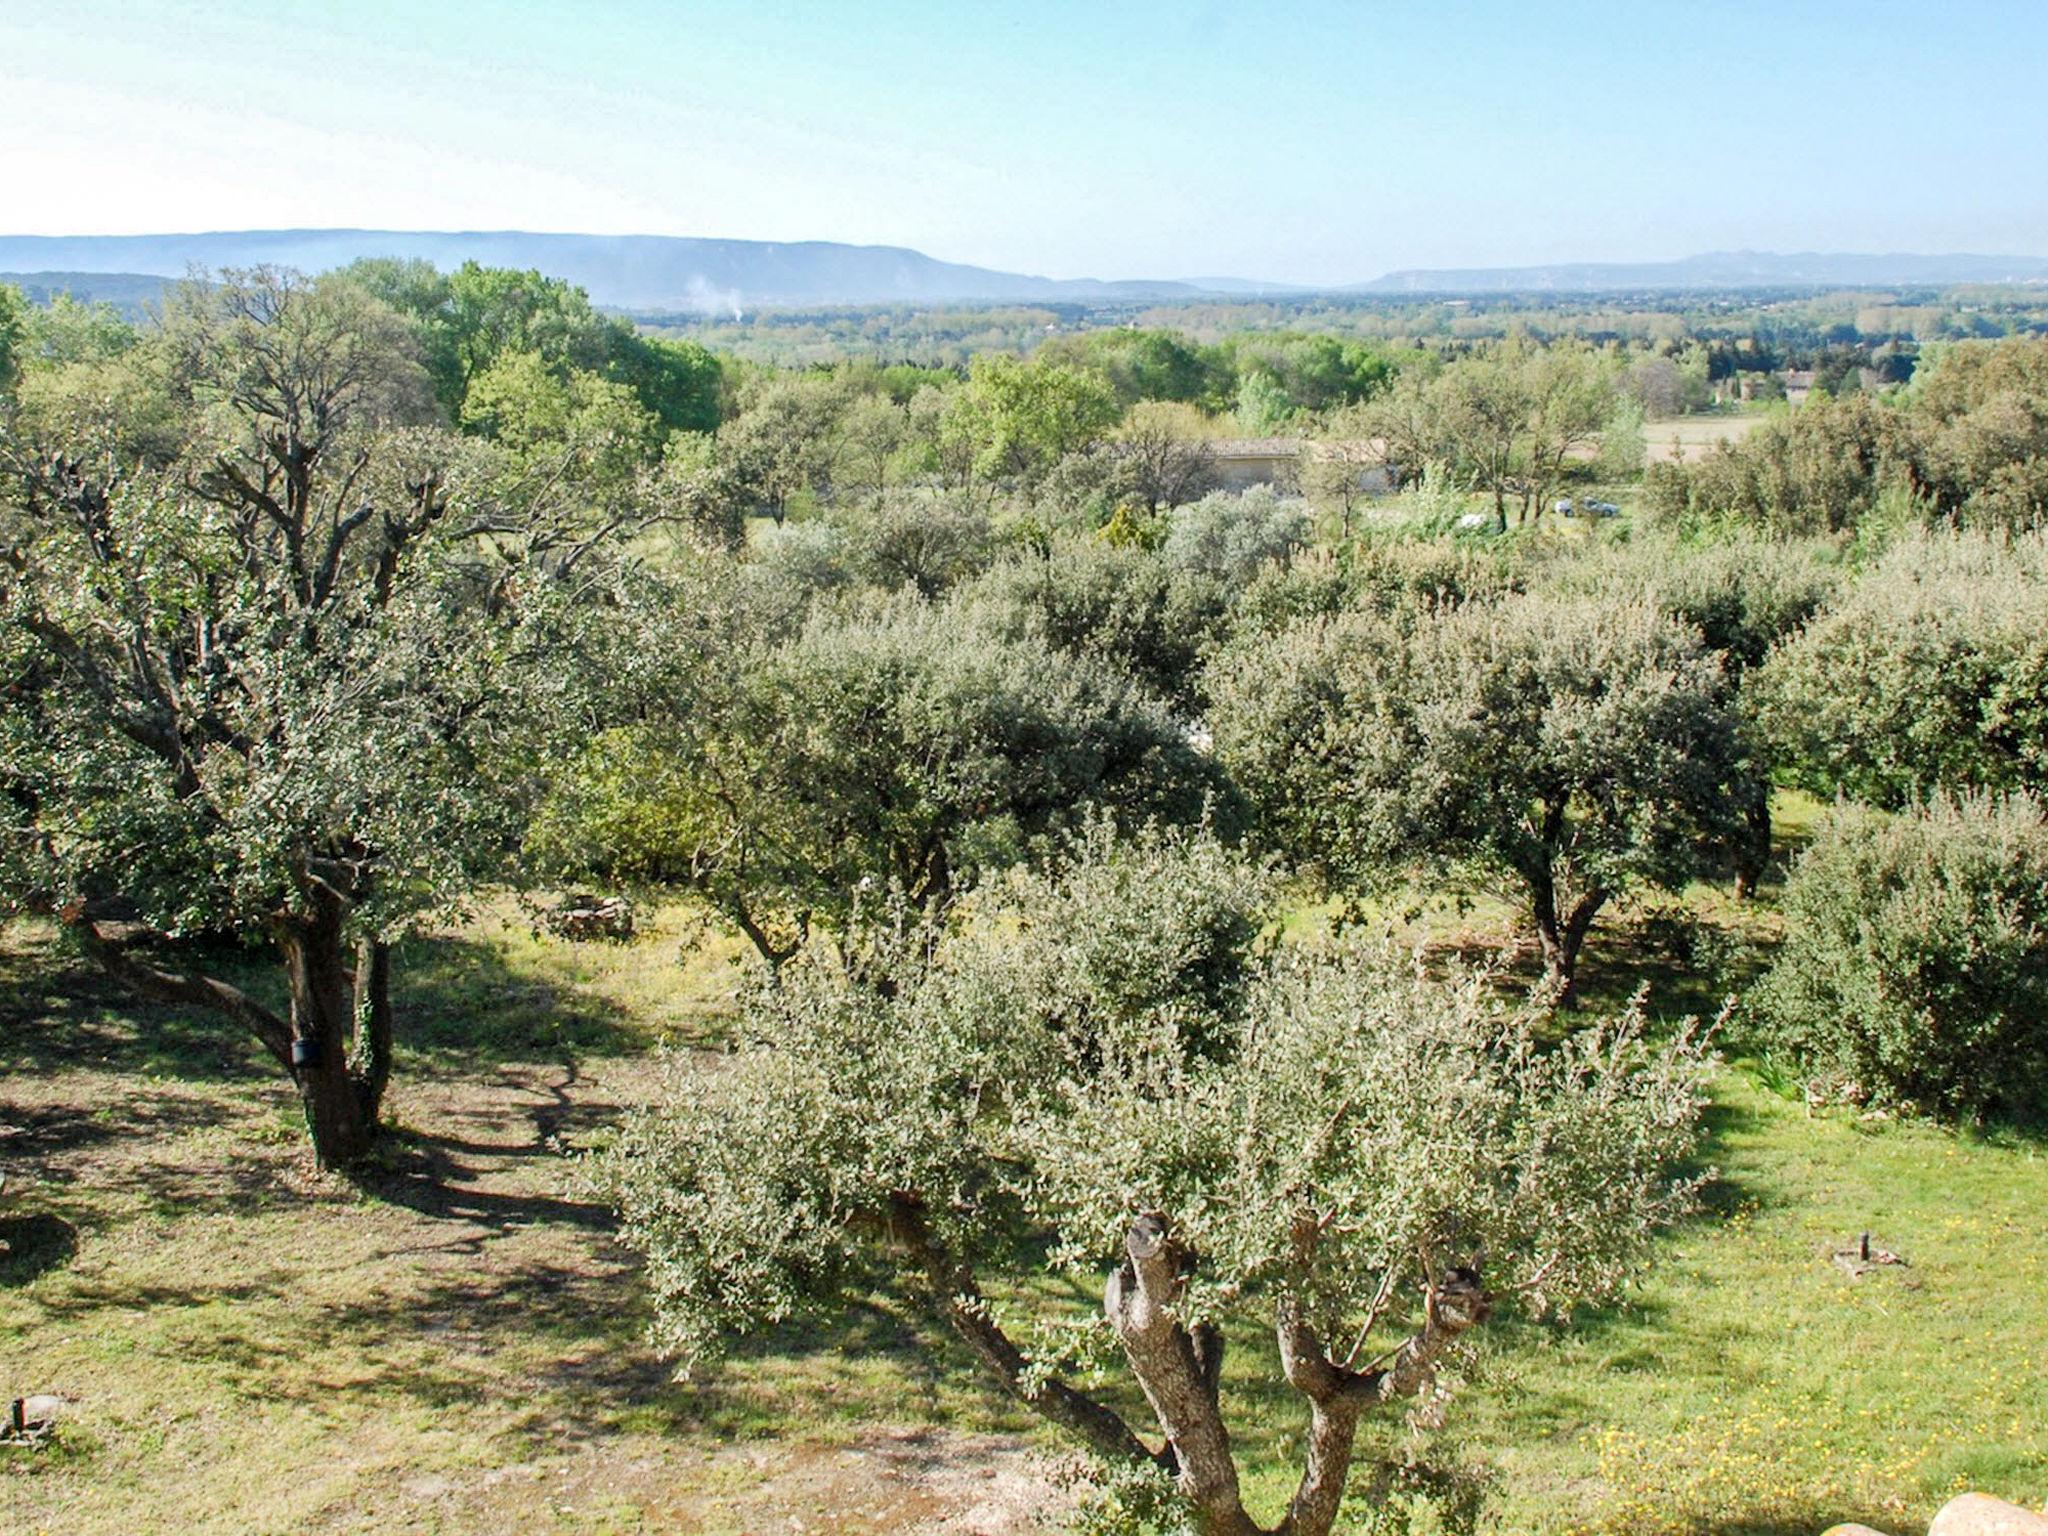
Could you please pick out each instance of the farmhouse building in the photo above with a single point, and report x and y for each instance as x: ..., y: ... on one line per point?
x: 1243, y: 462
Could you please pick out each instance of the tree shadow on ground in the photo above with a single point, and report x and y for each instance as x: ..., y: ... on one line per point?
x: 459, y: 1001
x: 421, y: 1172
x: 34, y: 1244
x: 60, y: 1012
x: 34, y: 1133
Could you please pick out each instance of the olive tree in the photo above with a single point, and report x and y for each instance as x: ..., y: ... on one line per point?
x: 904, y: 743
x: 1744, y: 596
x: 1231, y: 535
x: 1570, y: 748
x: 1096, y: 1072
x: 258, y: 694
x: 1930, y: 671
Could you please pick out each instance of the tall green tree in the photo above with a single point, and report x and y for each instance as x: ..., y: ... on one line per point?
x: 1014, y: 420
x: 14, y: 331
x: 260, y: 693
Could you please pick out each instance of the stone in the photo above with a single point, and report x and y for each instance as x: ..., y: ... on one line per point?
x: 1979, y: 1514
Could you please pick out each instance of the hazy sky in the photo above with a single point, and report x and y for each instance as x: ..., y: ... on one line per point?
x: 1318, y: 142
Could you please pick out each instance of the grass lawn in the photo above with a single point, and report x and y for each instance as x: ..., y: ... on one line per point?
x: 251, y: 1348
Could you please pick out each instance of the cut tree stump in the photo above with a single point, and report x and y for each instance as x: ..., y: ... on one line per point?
x: 30, y: 1420
x: 1863, y: 1257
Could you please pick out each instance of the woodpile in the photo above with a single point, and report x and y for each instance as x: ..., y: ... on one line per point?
x: 583, y: 918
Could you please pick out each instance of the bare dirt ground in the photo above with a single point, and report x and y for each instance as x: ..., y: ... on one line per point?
x: 247, y: 1346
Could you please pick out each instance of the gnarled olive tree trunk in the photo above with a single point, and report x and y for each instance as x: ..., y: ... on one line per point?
x: 335, y: 1038
x: 341, y: 1106
x: 1180, y: 1369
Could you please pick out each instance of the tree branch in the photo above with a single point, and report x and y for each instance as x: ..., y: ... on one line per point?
x: 957, y: 1297
x: 111, y: 950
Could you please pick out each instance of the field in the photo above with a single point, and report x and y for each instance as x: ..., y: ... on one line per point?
x: 248, y: 1347
x: 1684, y: 439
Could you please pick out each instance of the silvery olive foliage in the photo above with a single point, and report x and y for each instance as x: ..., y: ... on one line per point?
x: 1230, y: 535
x: 1915, y: 962
x: 894, y: 740
x: 1931, y: 671
x: 1119, y: 604
x: 1745, y: 595
x: 1094, y: 1065
x: 1569, y: 749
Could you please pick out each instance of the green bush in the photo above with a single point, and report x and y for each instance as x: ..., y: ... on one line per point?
x: 1915, y: 967
x: 1930, y: 672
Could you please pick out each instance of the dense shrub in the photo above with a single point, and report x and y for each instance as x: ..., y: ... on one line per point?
x: 1915, y: 967
x: 1820, y: 469
x: 1982, y: 413
x: 1121, y: 604
x: 1232, y: 534
x: 1932, y: 671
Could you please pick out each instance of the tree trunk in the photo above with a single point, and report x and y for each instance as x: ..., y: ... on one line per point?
x: 1332, y: 1426
x: 1178, y: 1382
x: 371, y: 1063
x: 322, y: 1019
x: 1753, y: 853
x: 1563, y: 937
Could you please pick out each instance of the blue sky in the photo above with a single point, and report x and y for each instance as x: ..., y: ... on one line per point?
x: 1316, y: 142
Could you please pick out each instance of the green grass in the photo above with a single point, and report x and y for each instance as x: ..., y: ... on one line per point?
x: 459, y: 1346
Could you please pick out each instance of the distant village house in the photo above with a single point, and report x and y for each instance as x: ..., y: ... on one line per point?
x: 1243, y: 462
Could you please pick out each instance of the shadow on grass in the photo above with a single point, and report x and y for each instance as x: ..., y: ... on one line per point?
x: 34, y: 1132
x: 33, y: 1244
x: 60, y: 1012
x: 459, y: 1001
x: 422, y: 1173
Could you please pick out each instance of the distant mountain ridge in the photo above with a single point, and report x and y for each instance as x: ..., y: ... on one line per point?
x: 1719, y: 269
x: 639, y: 272
x: 651, y: 274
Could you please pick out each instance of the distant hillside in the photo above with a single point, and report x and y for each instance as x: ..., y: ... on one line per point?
x: 655, y: 274
x: 1719, y: 269
x: 639, y: 272
x: 129, y: 292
